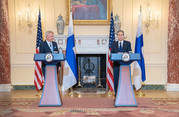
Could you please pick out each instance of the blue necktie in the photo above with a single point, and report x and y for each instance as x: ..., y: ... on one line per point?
x: 120, y: 47
x: 51, y: 47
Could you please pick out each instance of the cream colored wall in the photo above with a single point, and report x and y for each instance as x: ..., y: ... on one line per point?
x: 155, y: 42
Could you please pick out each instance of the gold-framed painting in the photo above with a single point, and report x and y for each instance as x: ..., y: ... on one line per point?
x: 89, y: 11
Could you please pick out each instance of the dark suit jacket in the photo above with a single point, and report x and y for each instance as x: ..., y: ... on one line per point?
x: 115, y: 49
x: 44, y: 48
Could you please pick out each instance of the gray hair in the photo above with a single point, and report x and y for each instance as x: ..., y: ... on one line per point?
x: 48, y: 32
x: 120, y: 31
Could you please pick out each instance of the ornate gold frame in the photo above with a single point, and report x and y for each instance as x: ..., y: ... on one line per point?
x: 95, y: 22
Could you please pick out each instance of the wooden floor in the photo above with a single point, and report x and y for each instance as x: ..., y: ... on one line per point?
x: 34, y: 94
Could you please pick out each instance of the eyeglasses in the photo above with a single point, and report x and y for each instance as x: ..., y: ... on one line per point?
x: 120, y: 35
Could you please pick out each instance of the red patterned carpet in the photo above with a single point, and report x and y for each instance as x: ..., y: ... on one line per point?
x: 95, y: 107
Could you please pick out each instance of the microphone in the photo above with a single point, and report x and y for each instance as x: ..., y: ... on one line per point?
x: 60, y: 50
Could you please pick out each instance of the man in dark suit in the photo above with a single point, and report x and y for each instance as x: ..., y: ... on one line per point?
x: 119, y: 46
x: 48, y: 46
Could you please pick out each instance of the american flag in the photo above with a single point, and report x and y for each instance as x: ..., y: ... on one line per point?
x: 110, y: 77
x: 38, y: 80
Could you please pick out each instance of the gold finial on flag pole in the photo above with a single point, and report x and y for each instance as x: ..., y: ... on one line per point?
x: 111, y: 5
x: 70, y: 8
x: 140, y: 8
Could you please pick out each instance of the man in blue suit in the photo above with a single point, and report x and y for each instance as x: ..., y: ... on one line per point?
x: 119, y: 46
x: 48, y: 46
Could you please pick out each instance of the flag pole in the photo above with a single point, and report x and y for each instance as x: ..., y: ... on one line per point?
x: 110, y: 93
x: 39, y: 40
x: 140, y: 93
x: 40, y: 91
x: 70, y: 79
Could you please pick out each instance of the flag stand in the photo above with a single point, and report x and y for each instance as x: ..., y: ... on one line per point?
x: 71, y: 92
x: 140, y: 94
x: 109, y: 93
x: 39, y: 92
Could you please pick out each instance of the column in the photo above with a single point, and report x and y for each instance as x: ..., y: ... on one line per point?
x: 173, y: 46
x: 4, y: 47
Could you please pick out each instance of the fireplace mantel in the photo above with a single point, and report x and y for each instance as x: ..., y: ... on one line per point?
x: 86, y: 44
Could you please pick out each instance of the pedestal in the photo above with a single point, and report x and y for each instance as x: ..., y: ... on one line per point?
x: 125, y: 93
x: 50, y: 94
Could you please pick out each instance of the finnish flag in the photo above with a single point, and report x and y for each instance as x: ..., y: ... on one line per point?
x: 139, y: 66
x: 70, y: 69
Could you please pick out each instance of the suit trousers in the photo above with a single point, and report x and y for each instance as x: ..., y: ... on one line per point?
x: 116, y: 78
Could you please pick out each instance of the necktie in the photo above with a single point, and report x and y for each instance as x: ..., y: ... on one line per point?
x: 120, y: 47
x: 51, y: 47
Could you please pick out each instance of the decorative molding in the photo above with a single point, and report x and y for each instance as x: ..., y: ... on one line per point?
x: 147, y: 64
x: 5, y: 87
x: 144, y: 87
x: 172, y: 87
x: 154, y: 65
x: 22, y: 65
x: 86, y: 44
x: 23, y: 84
x: 24, y: 87
x: 152, y: 87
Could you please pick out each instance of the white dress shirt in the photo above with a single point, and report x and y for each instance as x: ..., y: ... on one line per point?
x: 49, y: 43
x: 121, y: 43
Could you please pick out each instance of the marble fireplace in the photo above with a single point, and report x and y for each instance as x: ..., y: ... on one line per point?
x: 91, y: 54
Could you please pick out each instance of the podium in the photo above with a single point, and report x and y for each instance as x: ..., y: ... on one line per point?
x: 125, y: 93
x: 50, y: 95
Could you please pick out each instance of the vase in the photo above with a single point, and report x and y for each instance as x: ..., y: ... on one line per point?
x: 60, y: 25
x: 117, y: 23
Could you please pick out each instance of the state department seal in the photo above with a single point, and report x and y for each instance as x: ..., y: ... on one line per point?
x: 125, y: 57
x: 49, y: 57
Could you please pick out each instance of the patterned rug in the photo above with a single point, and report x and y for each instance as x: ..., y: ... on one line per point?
x: 95, y: 107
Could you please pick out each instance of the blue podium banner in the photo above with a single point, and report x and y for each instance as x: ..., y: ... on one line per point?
x: 56, y: 57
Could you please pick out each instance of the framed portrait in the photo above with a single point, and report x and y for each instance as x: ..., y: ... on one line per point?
x: 89, y: 11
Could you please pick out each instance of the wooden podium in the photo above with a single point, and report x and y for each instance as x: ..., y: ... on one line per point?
x: 125, y: 93
x: 50, y: 95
